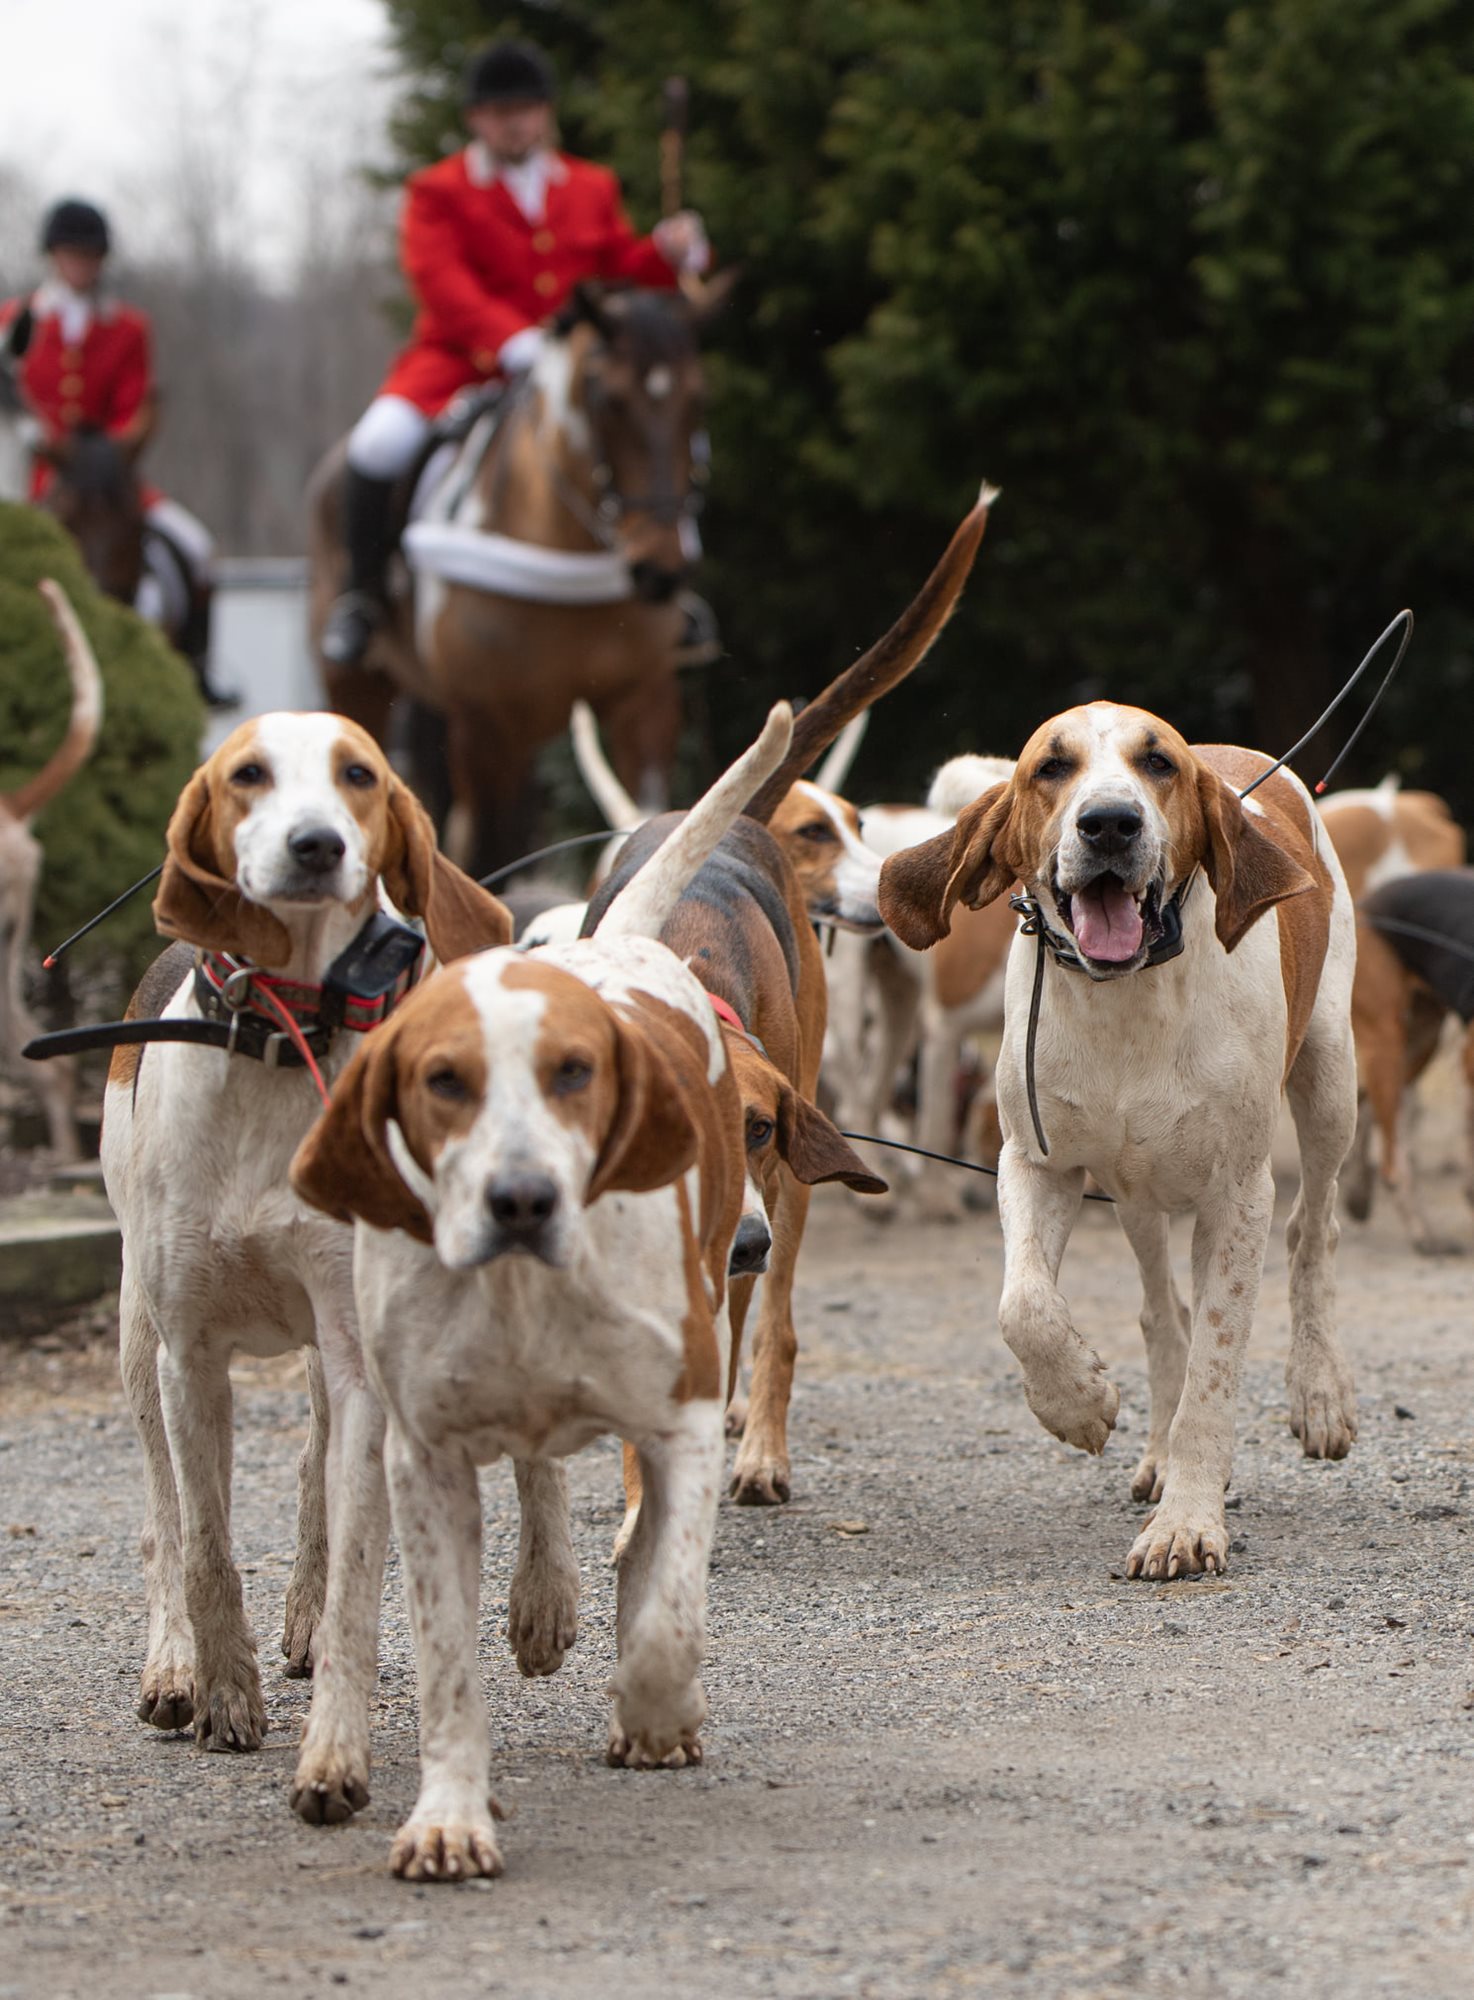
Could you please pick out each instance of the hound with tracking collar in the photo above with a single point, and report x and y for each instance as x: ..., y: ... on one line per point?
x: 278, y: 852
x: 1202, y: 958
x: 544, y: 1154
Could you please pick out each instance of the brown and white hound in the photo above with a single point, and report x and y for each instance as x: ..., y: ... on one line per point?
x: 280, y: 847
x: 1161, y: 1075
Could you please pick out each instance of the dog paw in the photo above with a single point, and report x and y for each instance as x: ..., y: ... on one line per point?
x: 330, y: 1786
x: 446, y: 1850
x: 761, y: 1483
x: 1150, y: 1475
x: 166, y: 1694
x: 641, y: 1754
x: 542, y: 1619
x: 1323, y: 1412
x: 231, y: 1717
x: 1177, y: 1541
x: 303, y: 1615
x: 1074, y: 1398
x: 1430, y: 1244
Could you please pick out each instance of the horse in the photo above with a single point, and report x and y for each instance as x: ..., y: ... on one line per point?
x: 545, y: 569
x: 17, y: 426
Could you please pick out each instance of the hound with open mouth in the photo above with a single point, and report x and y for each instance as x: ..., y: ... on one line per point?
x: 1202, y: 948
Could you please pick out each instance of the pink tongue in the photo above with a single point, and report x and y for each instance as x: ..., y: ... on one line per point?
x: 1106, y: 920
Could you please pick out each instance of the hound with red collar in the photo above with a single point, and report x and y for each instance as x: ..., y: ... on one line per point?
x: 1159, y: 1071
x: 544, y: 1155
x: 279, y: 851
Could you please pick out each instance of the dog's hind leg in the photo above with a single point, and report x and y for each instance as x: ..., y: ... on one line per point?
x: 542, y: 1609
x: 760, y: 1474
x: 309, y: 1582
x: 1322, y: 1091
x: 1166, y: 1327
x: 659, y: 1703
x: 166, y: 1691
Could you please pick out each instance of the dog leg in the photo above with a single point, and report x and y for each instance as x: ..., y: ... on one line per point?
x: 1322, y: 1091
x: 332, y: 1777
x: 1166, y: 1326
x: 659, y: 1703
x: 542, y: 1610
x: 937, y: 1191
x: 1358, y: 1178
x: 194, y: 1383
x: 166, y: 1691
x: 1187, y: 1534
x: 1064, y: 1380
x: 306, y: 1590
x: 760, y: 1474
x: 436, y: 1505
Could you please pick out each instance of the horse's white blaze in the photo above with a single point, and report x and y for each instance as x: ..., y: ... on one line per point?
x: 552, y: 377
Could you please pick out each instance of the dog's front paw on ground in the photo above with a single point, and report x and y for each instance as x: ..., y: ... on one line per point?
x: 1323, y: 1412
x: 1177, y: 1541
x: 446, y: 1850
x: 331, y: 1784
x: 166, y: 1694
x: 304, y: 1612
x: 542, y: 1619
x: 760, y: 1478
x: 1073, y: 1397
x: 231, y: 1717
x: 644, y: 1754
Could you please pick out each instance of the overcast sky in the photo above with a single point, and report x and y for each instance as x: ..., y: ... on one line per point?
x: 95, y: 95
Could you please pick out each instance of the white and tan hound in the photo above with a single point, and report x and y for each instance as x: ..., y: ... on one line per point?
x: 1161, y: 1075
x: 544, y: 1154
x: 279, y: 850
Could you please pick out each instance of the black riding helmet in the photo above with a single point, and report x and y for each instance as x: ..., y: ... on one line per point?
x: 76, y: 225
x: 509, y: 72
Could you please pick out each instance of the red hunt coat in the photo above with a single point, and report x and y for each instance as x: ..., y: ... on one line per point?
x: 480, y: 271
x: 100, y: 380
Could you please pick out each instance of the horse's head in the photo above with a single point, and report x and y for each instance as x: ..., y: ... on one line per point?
x: 95, y: 494
x: 636, y: 391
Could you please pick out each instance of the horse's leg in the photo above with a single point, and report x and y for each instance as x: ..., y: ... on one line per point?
x: 363, y: 694
x: 642, y: 728
x: 420, y: 740
x: 493, y: 791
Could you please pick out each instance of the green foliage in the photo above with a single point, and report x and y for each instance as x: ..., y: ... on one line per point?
x: 107, y: 828
x: 1193, y: 284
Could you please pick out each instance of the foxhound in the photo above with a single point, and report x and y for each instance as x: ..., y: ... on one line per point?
x: 544, y: 1156
x: 279, y: 852
x: 1202, y: 951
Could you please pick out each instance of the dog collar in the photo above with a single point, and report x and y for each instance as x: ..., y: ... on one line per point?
x: 724, y: 1011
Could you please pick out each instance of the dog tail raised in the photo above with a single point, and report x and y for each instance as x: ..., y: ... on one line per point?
x: 888, y: 661
x: 86, y: 718
x: 644, y: 905
x: 608, y: 794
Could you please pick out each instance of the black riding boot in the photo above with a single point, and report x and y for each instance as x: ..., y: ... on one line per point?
x: 194, y: 643
x: 368, y: 532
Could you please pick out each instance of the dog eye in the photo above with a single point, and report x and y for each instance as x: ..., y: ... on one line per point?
x: 817, y: 830
x: 759, y: 1132
x: 360, y: 776
x: 1158, y: 765
x: 445, y: 1083
x: 1054, y: 767
x: 571, y: 1074
x: 249, y: 774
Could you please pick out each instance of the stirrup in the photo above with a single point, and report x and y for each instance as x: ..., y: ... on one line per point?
x: 352, y: 621
x: 700, y: 642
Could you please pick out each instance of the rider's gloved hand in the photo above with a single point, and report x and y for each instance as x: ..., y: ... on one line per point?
x: 681, y: 239
x: 516, y: 356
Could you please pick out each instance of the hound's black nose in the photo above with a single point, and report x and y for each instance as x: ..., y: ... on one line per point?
x: 317, y: 848
x: 521, y: 1205
x: 1110, y: 824
x: 750, y: 1248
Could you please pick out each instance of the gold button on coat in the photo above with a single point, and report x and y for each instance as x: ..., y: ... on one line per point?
x: 545, y: 284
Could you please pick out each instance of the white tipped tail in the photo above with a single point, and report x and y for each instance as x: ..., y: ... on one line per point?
x: 608, y: 794
x: 643, y: 907
x: 86, y: 717
x: 832, y: 773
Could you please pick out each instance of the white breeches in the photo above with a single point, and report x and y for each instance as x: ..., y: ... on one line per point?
x: 387, y: 437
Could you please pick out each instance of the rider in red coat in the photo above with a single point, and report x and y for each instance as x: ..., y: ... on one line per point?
x: 492, y: 242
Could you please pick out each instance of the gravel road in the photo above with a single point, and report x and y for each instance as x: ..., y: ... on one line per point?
x: 951, y: 1751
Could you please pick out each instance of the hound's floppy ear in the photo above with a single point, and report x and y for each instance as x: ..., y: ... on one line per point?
x: 973, y: 863
x: 1249, y: 870
x: 460, y: 916
x: 815, y: 1150
x: 651, y: 1139
x: 197, y: 903
x: 344, y: 1166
